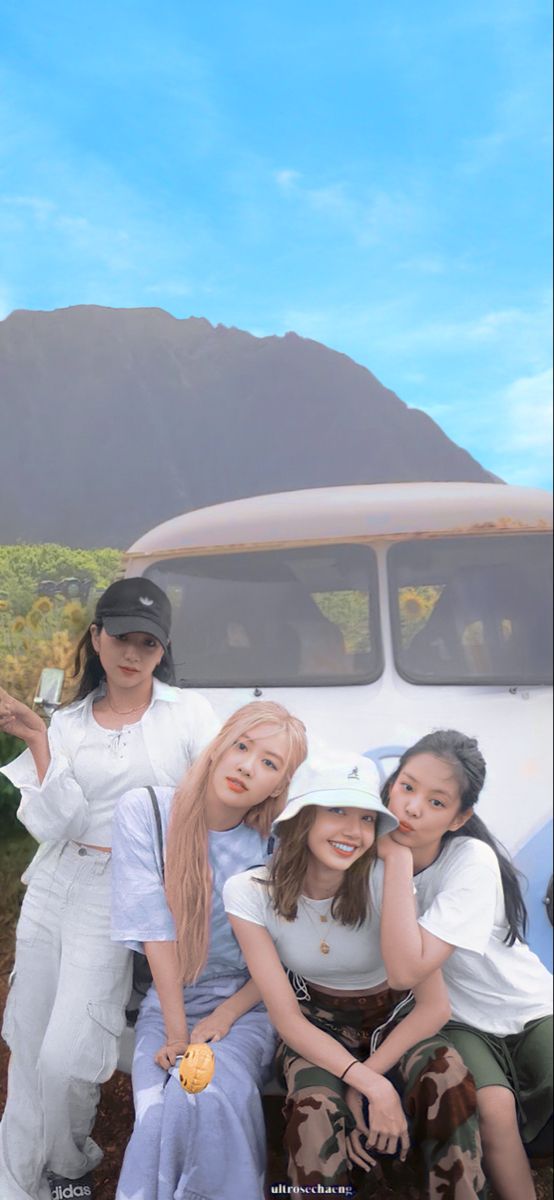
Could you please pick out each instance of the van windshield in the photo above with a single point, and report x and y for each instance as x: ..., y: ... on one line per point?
x: 276, y: 617
x: 472, y: 609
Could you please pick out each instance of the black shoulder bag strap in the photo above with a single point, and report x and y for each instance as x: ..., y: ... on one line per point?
x: 159, y: 830
x: 142, y: 975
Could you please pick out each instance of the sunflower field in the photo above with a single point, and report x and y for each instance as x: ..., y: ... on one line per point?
x: 38, y: 630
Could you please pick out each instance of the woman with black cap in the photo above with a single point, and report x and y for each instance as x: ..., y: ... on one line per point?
x: 127, y: 727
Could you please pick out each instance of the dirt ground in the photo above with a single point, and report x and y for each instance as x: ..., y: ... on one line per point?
x: 115, y: 1114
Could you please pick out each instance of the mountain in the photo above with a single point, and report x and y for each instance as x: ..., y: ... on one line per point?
x: 116, y: 419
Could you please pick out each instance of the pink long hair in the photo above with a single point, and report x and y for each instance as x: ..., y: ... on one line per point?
x: 188, y: 882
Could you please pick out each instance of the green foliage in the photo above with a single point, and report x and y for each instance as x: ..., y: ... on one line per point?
x: 39, y: 630
x: 16, y: 852
x: 22, y: 567
x: 46, y: 637
x: 350, y: 611
x: 9, y: 796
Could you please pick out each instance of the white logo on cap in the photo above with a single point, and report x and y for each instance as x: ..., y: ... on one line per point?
x: 353, y: 774
x: 144, y: 600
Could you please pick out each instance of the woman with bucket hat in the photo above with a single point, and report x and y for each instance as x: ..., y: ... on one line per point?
x: 308, y: 926
x: 126, y: 727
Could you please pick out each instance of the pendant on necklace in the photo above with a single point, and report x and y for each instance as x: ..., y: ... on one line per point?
x: 324, y: 946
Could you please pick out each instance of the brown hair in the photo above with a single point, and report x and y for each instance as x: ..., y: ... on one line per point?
x: 187, y: 873
x: 288, y: 872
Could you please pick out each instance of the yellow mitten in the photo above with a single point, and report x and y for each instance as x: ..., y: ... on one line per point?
x: 196, y: 1067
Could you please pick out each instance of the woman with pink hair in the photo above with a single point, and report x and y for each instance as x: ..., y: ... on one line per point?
x: 215, y: 824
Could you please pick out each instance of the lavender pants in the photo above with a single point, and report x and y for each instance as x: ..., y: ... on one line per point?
x: 209, y: 1146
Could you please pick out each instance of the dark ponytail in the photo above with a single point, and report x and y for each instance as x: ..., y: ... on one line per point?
x: 464, y: 755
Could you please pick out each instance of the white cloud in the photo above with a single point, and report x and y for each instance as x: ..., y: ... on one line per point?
x: 286, y: 179
x: 370, y: 217
x: 509, y: 430
x: 107, y: 246
x: 526, y: 410
x: 415, y: 377
x: 170, y: 287
x: 38, y: 206
x: 494, y: 382
x: 482, y: 153
x: 519, y: 336
x: 425, y: 264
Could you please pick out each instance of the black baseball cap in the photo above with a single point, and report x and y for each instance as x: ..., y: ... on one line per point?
x: 135, y: 606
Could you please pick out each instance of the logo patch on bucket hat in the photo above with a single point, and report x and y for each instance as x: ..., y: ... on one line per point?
x: 344, y: 783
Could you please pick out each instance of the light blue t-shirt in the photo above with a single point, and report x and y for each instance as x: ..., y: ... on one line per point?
x: 140, y: 912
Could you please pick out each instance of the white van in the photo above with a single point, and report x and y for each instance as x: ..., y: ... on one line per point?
x: 377, y: 613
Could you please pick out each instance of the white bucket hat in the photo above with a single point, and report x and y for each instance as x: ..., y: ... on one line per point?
x: 351, y: 783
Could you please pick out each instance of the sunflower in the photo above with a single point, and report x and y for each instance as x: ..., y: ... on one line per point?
x: 43, y: 605
x: 413, y: 606
x: 74, y: 616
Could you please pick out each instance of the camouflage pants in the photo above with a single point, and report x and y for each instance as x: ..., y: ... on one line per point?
x: 438, y: 1095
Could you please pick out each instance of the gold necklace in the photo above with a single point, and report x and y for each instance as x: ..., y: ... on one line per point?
x: 125, y: 712
x: 324, y: 946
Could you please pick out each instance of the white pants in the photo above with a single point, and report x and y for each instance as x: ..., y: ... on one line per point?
x: 64, y: 1015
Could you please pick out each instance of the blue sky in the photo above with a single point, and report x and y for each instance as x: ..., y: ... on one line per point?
x: 375, y: 176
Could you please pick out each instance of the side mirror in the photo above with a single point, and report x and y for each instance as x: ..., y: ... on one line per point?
x: 49, y: 690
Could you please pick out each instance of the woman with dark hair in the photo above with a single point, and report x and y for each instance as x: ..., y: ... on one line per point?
x: 308, y: 926
x: 468, y: 918
x: 66, y: 1006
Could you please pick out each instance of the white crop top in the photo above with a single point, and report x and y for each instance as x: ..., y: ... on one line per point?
x: 353, y: 960
x: 104, y: 765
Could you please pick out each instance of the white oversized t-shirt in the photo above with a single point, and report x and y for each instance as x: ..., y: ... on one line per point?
x: 90, y: 767
x: 494, y: 987
x: 140, y: 912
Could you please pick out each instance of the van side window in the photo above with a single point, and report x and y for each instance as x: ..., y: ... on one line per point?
x: 287, y: 617
x: 472, y: 609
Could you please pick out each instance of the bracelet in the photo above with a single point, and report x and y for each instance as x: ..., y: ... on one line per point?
x: 346, y: 1069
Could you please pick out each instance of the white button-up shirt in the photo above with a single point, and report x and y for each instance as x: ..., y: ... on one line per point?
x: 175, y: 727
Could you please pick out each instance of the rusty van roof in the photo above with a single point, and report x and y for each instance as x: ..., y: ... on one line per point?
x: 349, y: 514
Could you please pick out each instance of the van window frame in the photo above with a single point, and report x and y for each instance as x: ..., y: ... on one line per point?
x: 515, y: 680
x: 156, y: 569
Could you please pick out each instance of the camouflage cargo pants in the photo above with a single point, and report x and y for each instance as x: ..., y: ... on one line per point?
x: 437, y: 1092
